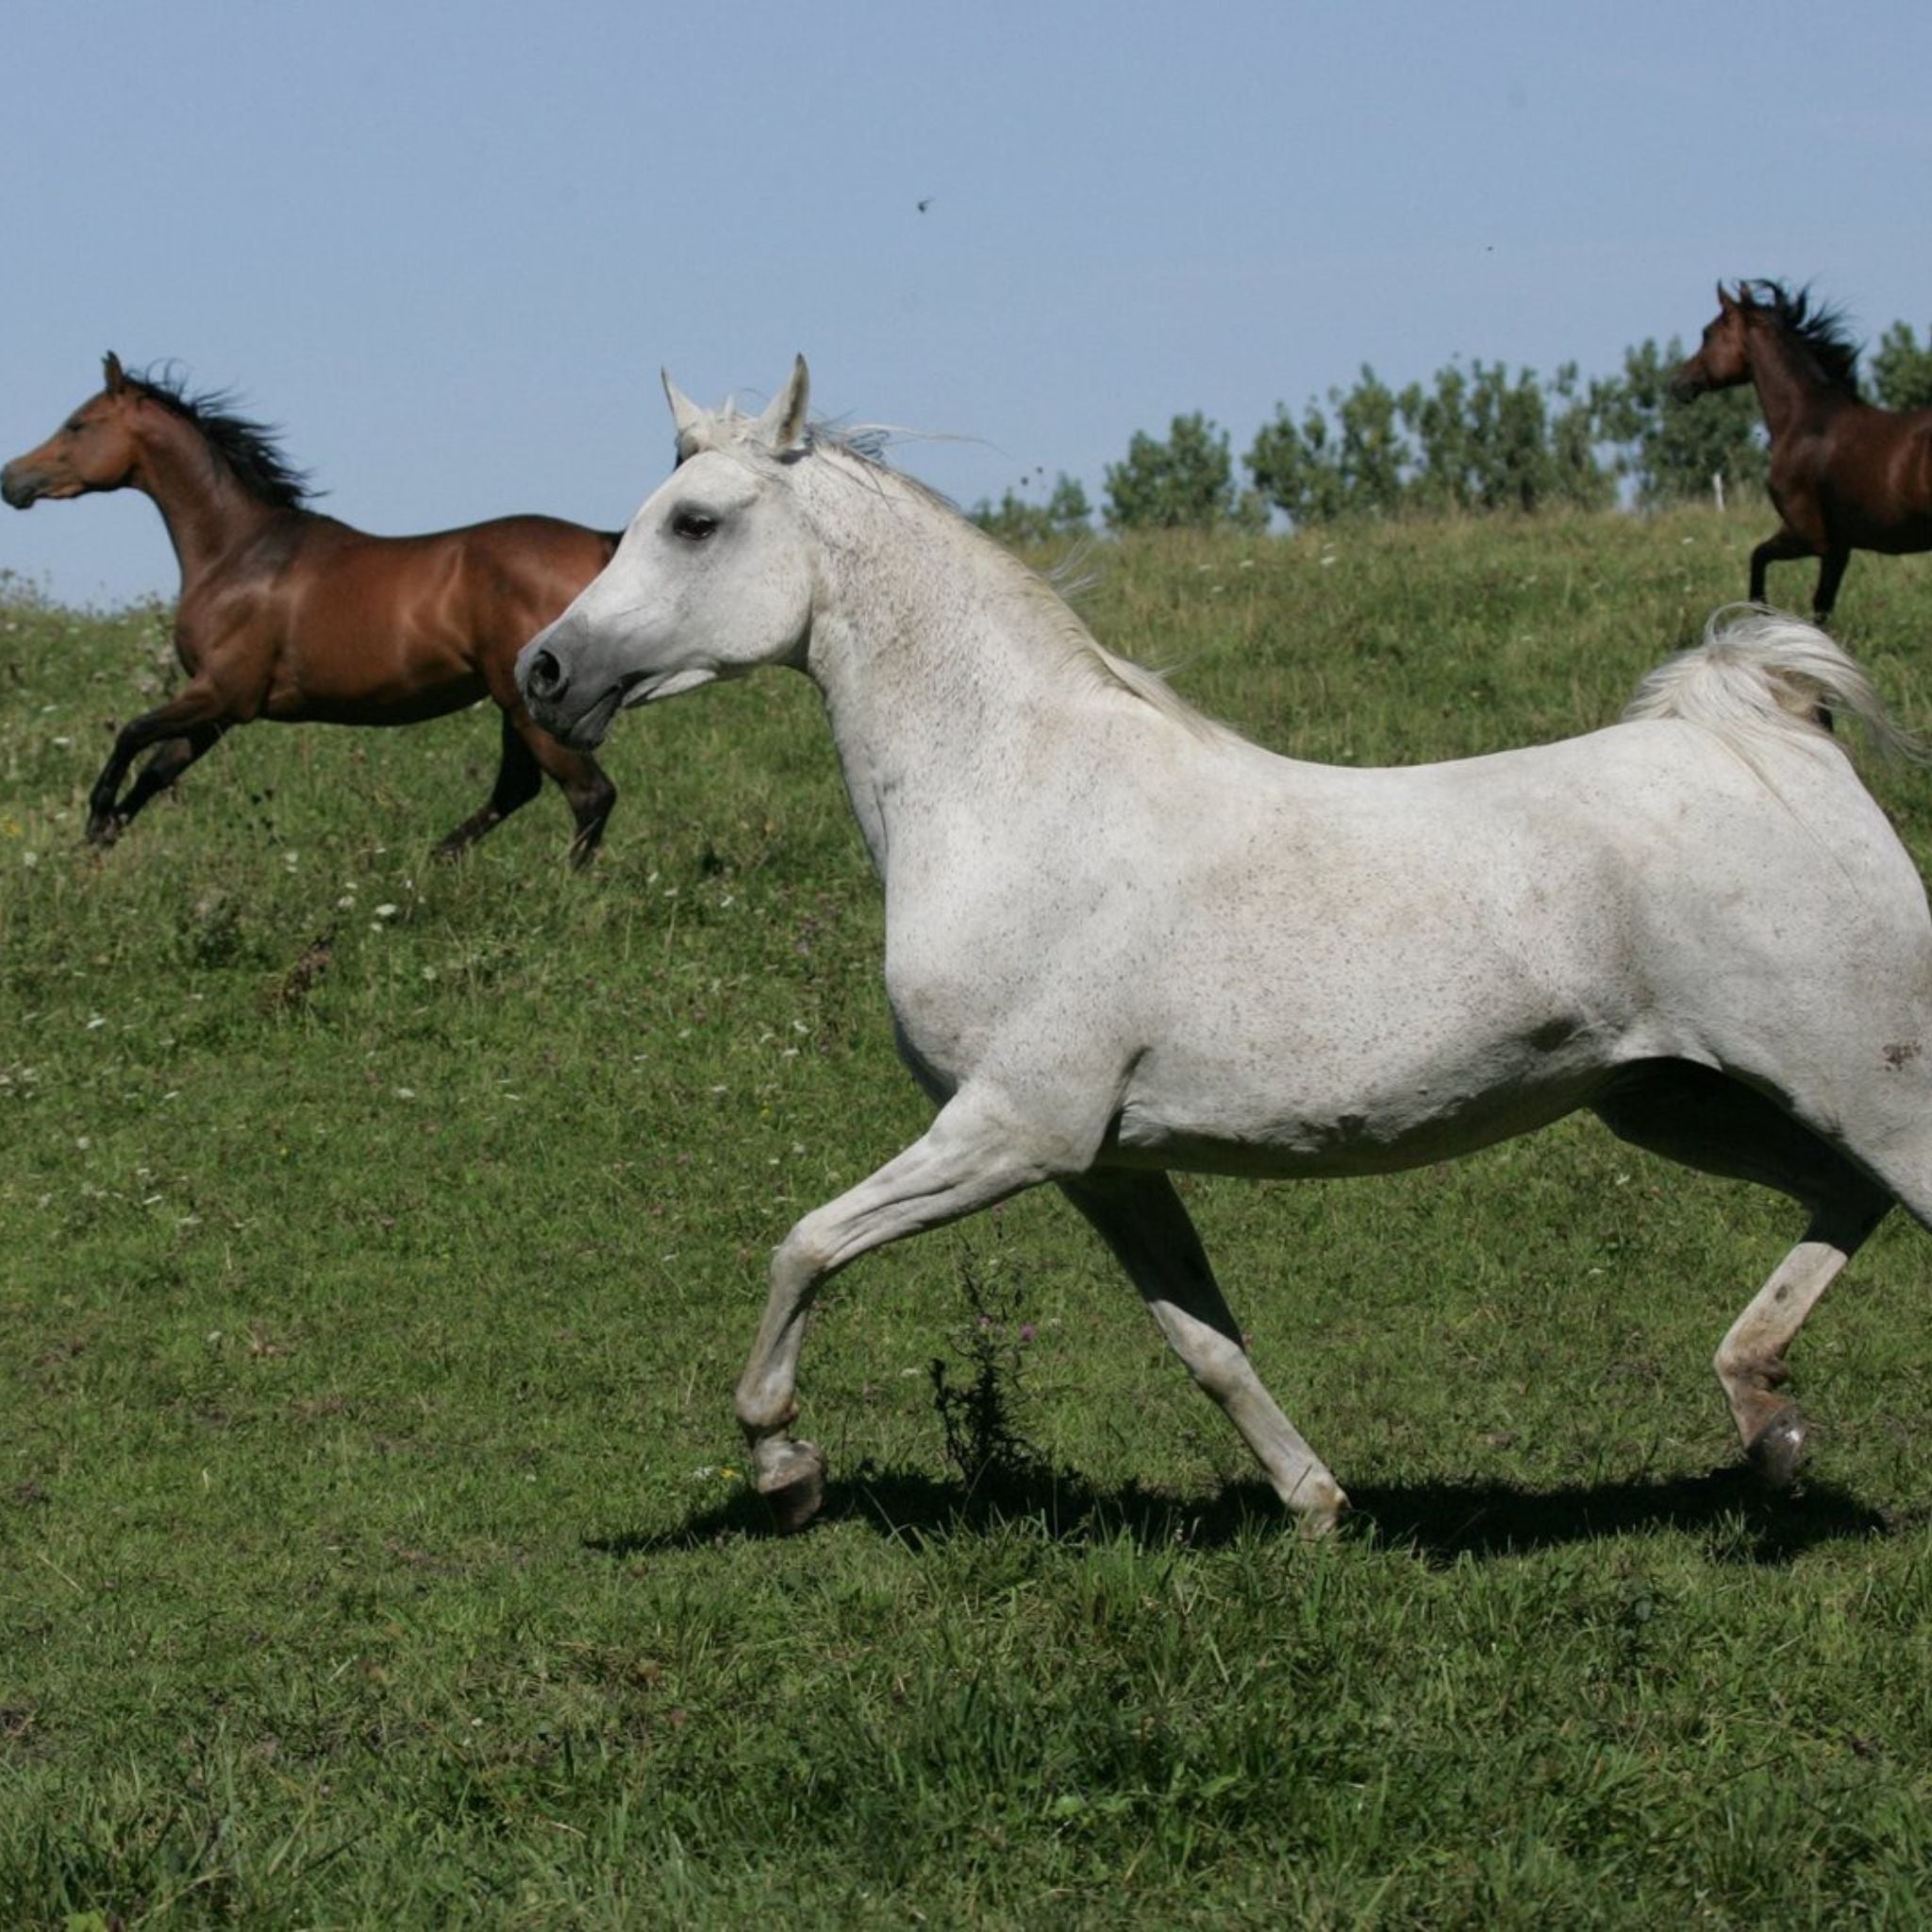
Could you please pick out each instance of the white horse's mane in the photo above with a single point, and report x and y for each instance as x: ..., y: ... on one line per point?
x: 863, y: 446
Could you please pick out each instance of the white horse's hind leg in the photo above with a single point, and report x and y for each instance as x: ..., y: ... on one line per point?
x: 1701, y: 1118
x: 1750, y: 1359
x: 974, y: 1154
x: 1141, y: 1219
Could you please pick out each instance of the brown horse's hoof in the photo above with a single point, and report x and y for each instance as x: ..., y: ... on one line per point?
x: 795, y: 1487
x: 1777, y: 1450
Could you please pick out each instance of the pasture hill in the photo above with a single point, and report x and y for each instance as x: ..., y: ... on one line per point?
x: 384, y: 1239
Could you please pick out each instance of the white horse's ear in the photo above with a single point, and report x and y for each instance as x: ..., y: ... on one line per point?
x: 782, y: 425
x: 684, y: 413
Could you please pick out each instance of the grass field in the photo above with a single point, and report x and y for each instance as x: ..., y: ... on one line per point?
x: 382, y: 1242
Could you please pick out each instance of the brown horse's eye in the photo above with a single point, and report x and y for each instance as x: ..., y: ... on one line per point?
x: 694, y: 525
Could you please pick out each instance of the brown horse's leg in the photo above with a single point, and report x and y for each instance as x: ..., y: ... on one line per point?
x: 527, y: 753
x: 1786, y: 544
x: 189, y: 712
x: 1829, y: 574
x: 590, y: 794
x: 519, y: 778
x: 169, y: 759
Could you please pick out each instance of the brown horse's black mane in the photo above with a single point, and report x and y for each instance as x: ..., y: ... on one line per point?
x: 1821, y: 334
x: 247, y: 447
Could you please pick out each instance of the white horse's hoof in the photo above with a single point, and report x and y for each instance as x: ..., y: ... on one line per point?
x: 1776, y: 1451
x: 794, y: 1484
x: 1321, y: 1520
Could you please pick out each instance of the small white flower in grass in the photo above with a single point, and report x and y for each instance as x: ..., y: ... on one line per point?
x: 63, y: 742
x: 405, y: 1093
x: 30, y: 858
x: 387, y: 911
x: 95, y: 1020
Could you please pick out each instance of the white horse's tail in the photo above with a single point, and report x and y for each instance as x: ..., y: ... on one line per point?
x: 1760, y: 676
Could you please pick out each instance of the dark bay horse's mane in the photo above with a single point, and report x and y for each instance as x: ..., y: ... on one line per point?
x: 248, y: 448
x: 1821, y: 334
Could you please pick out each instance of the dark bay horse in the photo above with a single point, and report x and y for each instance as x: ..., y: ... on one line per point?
x: 1844, y: 475
x: 290, y: 615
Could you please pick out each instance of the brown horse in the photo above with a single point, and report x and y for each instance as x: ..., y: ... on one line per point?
x: 1844, y: 475
x: 290, y: 615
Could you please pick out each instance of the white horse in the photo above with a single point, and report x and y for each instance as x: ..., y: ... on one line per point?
x: 1121, y: 940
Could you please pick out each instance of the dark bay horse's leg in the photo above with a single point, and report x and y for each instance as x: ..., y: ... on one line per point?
x: 190, y: 713
x: 590, y: 794
x: 1829, y: 574
x: 1786, y: 544
x: 519, y: 778
x: 167, y: 762
x: 527, y: 753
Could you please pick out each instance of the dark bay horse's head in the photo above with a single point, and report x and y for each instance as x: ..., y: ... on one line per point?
x: 1724, y: 357
x: 95, y: 449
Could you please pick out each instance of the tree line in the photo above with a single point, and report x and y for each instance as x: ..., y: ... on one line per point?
x: 1474, y: 439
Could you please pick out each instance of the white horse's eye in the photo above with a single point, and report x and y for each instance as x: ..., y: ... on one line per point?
x: 695, y: 526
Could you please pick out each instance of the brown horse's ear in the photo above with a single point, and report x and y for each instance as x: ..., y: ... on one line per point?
x: 1724, y: 302
x: 116, y: 376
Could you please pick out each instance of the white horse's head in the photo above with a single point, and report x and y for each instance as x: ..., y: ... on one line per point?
x: 713, y: 577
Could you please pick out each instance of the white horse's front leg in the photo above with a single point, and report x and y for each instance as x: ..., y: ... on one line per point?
x: 1142, y: 1220
x: 974, y: 1154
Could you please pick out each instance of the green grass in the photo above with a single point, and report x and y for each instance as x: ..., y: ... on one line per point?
x: 374, y: 1546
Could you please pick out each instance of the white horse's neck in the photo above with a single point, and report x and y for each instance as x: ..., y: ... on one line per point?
x: 945, y: 665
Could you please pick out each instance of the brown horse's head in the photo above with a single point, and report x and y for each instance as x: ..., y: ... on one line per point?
x: 95, y: 449
x: 1724, y: 357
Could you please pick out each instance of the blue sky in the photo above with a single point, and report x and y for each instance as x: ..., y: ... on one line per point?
x: 447, y: 248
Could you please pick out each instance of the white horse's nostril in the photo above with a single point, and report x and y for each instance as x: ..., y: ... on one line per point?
x: 545, y: 678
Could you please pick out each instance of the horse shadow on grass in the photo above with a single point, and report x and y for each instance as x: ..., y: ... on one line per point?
x: 1440, y: 1522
